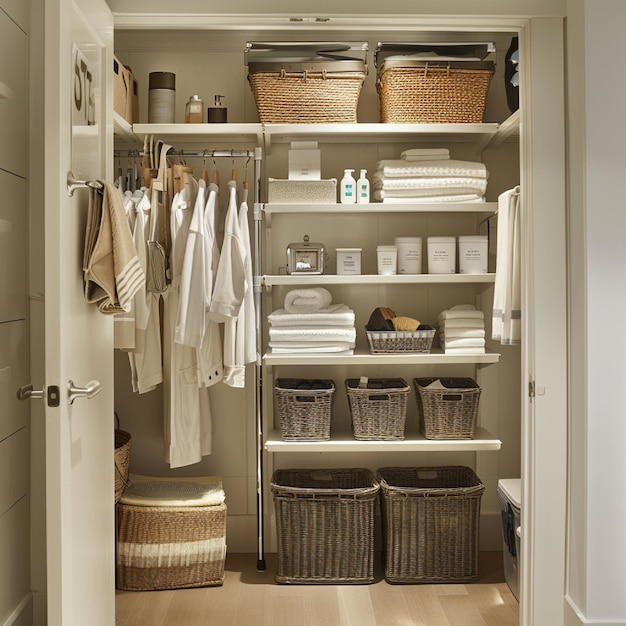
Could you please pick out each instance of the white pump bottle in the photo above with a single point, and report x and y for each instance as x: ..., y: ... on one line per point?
x: 363, y: 189
x: 348, y: 188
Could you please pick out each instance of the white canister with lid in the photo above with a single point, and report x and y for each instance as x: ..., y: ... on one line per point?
x: 441, y: 255
x: 161, y: 97
x: 409, y: 254
x: 387, y: 259
x: 348, y: 261
x: 473, y: 254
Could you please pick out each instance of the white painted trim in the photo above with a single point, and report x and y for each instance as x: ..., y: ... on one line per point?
x: 574, y: 617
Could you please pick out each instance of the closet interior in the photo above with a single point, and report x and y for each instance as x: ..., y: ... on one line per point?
x: 247, y: 443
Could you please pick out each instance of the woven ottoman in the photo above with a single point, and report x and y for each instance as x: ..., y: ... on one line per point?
x: 171, y: 533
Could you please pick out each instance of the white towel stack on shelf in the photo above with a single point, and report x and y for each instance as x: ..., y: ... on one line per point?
x: 462, y: 330
x: 429, y: 175
x: 311, y: 323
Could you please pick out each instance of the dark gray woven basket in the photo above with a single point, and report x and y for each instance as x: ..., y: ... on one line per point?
x: 431, y: 519
x: 325, y: 525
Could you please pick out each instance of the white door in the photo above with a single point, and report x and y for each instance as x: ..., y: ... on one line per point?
x: 79, y: 438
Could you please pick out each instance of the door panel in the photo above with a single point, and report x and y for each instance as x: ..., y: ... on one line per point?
x: 13, y: 374
x: 78, y: 339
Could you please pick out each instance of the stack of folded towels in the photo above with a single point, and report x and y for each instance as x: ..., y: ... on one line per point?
x: 462, y: 330
x: 429, y: 175
x: 310, y: 322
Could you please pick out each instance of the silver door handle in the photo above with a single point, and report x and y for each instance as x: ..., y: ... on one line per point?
x: 92, y: 389
x: 27, y: 392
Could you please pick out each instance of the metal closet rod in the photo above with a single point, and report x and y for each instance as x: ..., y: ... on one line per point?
x: 190, y: 153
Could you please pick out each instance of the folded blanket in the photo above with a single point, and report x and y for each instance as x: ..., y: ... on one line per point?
x: 459, y: 323
x: 452, y: 167
x: 308, y: 334
x: 449, y: 314
x: 334, y: 315
x: 187, y: 491
x: 307, y: 300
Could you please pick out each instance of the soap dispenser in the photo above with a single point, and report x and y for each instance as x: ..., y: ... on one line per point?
x: 348, y: 188
x: 218, y: 113
x: 363, y: 189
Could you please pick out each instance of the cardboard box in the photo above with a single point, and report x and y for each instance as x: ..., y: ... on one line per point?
x: 125, y: 92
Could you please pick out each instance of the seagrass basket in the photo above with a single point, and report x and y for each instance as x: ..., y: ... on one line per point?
x: 431, y: 518
x: 304, y: 408
x: 378, y: 410
x: 420, y: 340
x: 325, y: 525
x: 123, y: 443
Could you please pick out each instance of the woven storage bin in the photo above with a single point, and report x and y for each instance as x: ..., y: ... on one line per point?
x: 304, y: 408
x: 378, y: 411
x: 171, y: 534
x: 123, y: 442
x: 431, y: 519
x: 420, y: 340
x: 325, y: 525
x: 449, y: 413
x: 429, y: 94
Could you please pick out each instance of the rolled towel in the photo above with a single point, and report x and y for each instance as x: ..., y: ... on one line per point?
x: 307, y: 300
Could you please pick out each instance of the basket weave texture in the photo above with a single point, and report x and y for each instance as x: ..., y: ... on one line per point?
x: 400, y: 340
x: 325, y: 525
x: 170, y: 547
x: 301, y: 97
x: 123, y: 442
x: 417, y: 95
x: 378, y: 411
x: 449, y: 413
x: 431, y: 519
x: 304, y: 412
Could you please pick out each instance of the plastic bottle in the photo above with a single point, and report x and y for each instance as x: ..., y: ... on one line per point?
x: 348, y: 188
x: 193, y: 110
x: 363, y: 189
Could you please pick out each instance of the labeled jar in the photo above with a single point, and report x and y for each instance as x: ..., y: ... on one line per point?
x: 193, y: 110
x: 387, y: 259
x: 441, y: 255
x: 409, y: 254
x: 348, y: 261
x: 161, y: 98
x: 473, y: 254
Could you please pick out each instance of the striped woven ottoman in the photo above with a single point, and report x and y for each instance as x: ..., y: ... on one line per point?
x: 171, y: 533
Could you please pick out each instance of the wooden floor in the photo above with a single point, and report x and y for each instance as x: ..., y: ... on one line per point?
x: 251, y: 598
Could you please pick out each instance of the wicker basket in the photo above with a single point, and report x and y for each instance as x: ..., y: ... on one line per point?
x: 449, y: 413
x: 425, y: 94
x: 122, y: 459
x: 420, y: 340
x: 165, y: 547
x: 378, y: 410
x: 431, y: 519
x: 325, y: 525
x: 304, y: 408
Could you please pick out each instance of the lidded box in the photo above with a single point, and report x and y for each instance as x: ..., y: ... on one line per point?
x: 306, y: 82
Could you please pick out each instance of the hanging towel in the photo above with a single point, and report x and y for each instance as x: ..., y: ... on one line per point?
x: 507, y: 296
x: 111, y: 268
x: 307, y: 300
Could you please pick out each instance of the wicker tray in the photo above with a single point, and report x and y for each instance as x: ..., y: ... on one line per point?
x: 400, y: 340
x: 325, y: 525
x: 304, y: 408
x: 426, y: 94
x: 431, y: 519
x: 449, y: 413
x: 378, y: 411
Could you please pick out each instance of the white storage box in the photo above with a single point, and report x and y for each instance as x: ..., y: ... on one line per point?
x: 280, y: 191
x: 473, y: 254
x: 510, y: 495
x: 441, y: 255
x: 348, y: 261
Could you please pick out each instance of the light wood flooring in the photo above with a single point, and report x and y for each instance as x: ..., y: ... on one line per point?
x: 252, y: 598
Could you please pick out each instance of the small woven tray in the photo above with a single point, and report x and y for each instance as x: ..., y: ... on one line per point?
x: 401, y: 340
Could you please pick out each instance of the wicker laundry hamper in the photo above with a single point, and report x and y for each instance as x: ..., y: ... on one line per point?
x: 171, y: 534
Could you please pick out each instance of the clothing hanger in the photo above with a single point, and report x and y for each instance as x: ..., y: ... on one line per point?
x: 216, y: 174
x: 204, y: 175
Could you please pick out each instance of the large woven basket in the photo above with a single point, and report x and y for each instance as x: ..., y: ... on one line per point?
x: 306, y: 97
x: 325, y: 525
x: 425, y: 94
x: 304, y: 408
x: 378, y: 410
x: 431, y: 519
x: 450, y: 412
x: 123, y: 443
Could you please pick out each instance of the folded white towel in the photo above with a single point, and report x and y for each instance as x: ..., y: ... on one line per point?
x: 463, y: 333
x: 309, y: 334
x: 334, y: 315
x: 425, y: 154
x: 460, y: 313
x: 307, y: 300
x: 287, y: 347
x: 461, y: 323
x: 452, y: 167
x: 465, y: 350
x: 469, y: 342
x: 380, y: 196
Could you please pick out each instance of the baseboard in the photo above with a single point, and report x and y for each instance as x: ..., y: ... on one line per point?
x: 574, y: 617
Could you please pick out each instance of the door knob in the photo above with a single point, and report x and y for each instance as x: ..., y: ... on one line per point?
x: 92, y: 389
x: 27, y: 392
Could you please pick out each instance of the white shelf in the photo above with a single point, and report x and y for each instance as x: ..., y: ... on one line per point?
x: 270, y: 280
x: 436, y: 357
x: 383, y: 207
x: 123, y: 130
x: 413, y: 442
x: 201, y: 133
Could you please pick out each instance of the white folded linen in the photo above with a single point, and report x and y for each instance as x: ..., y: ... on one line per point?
x: 287, y: 347
x: 425, y: 154
x: 309, y: 334
x: 462, y: 323
x: 463, y: 342
x: 449, y: 314
x: 307, y: 300
x: 380, y: 196
x: 467, y: 350
x: 334, y: 315
x: 402, y: 168
x: 463, y: 333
